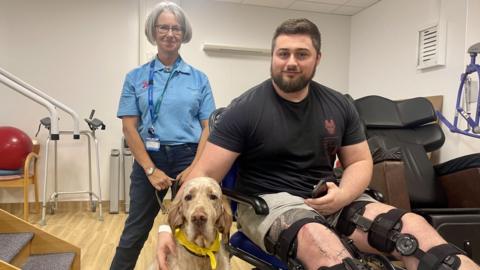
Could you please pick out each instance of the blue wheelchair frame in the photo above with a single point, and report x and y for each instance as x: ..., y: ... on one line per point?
x: 473, y: 129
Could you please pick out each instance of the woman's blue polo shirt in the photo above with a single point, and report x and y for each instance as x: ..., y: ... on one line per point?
x: 187, y: 100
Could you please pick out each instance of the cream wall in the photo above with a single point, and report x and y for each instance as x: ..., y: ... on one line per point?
x: 79, y: 51
x: 253, y: 26
x: 383, y: 55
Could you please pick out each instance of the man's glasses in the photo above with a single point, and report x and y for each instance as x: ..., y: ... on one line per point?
x: 163, y: 29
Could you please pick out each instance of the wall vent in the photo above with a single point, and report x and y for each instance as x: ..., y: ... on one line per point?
x: 431, y: 46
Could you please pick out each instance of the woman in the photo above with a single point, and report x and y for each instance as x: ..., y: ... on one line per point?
x: 164, y: 107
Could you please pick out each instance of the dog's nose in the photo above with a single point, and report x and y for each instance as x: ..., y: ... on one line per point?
x: 199, y: 218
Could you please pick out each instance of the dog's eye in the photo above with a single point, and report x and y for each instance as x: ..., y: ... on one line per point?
x: 213, y: 197
x: 188, y: 197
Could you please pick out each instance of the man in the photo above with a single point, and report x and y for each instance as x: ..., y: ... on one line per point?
x: 285, y: 133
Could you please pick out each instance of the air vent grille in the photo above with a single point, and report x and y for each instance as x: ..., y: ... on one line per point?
x: 431, y: 49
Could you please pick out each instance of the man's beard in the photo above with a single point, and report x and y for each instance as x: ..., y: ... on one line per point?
x: 291, y: 86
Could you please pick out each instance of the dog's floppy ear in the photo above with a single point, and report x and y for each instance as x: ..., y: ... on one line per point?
x: 175, y: 213
x: 224, y: 221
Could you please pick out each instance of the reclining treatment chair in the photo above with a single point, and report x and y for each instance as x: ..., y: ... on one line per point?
x: 242, y: 247
x: 447, y: 194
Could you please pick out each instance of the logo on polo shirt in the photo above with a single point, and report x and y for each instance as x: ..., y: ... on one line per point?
x: 145, y: 84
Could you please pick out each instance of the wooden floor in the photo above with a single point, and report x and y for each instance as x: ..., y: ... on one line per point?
x: 75, y: 223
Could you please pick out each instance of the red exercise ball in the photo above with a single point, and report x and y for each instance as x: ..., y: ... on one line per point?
x: 15, y: 145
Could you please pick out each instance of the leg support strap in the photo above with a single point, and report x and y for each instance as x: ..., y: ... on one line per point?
x: 351, y: 217
x: 385, y: 230
x: 441, y: 257
x: 285, y: 248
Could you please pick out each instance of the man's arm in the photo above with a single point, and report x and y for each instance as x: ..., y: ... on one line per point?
x: 357, y: 174
x: 358, y: 166
x: 214, y: 162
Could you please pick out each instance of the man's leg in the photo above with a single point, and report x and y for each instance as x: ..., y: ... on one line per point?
x: 293, y: 230
x: 143, y: 210
x: 413, y: 224
x: 319, y: 246
x: 315, y: 245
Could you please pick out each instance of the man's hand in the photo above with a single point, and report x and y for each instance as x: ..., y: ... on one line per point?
x: 330, y: 203
x: 160, y: 180
x: 165, y: 246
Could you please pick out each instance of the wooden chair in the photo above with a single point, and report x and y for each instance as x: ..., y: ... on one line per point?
x: 29, y: 176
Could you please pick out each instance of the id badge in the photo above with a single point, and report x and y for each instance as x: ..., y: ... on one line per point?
x: 152, y: 144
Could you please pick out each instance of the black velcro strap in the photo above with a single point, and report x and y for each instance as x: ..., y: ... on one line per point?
x: 383, y: 224
x: 441, y: 254
x: 288, y: 236
x: 345, y: 225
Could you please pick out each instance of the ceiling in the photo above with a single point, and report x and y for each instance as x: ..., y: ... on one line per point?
x: 337, y: 7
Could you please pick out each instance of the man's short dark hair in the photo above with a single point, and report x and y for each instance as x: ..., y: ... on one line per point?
x: 298, y: 27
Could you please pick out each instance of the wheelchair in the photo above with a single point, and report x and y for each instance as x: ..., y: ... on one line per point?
x: 242, y: 247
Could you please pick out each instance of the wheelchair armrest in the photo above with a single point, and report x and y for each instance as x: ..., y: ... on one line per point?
x: 462, y: 188
x: 258, y: 204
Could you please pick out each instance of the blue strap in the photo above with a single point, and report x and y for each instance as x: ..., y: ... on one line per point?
x: 154, y: 108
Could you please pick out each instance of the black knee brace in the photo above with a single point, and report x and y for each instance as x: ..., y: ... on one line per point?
x: 384, y: 234
x: 286, y: 245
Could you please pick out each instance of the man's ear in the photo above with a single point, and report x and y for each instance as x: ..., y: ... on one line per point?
x: 319, y: 56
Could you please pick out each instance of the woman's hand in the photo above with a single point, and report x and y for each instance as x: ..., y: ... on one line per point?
x: 160, y: 180
x: 165, y: 246
x: 330, y: 203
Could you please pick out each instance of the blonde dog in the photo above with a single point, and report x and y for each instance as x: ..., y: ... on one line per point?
x: 200, y: 219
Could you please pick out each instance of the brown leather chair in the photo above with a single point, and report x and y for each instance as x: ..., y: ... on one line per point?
x: 400, y: 134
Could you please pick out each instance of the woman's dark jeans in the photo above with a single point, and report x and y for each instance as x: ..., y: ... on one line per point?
x: 144, y: 207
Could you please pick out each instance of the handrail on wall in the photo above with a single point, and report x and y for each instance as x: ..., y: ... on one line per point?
x: 43, y: 99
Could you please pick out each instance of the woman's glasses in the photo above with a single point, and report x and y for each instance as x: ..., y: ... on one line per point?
x: 163, y: 29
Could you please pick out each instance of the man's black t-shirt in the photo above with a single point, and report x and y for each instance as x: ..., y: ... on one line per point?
x: 286, y: 146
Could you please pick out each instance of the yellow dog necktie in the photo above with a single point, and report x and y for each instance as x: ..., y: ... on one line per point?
x: 197, y: 250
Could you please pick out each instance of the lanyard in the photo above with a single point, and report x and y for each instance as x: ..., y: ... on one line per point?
x: 155, y: 108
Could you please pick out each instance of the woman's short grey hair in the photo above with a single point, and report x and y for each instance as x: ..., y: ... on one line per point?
x: 179, y: 14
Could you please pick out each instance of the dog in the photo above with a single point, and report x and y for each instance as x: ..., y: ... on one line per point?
x: 199, y: 218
